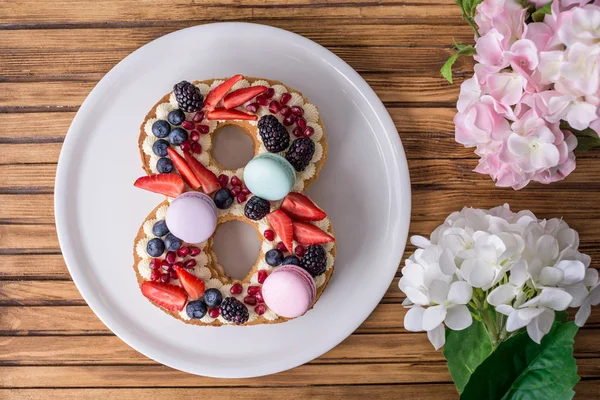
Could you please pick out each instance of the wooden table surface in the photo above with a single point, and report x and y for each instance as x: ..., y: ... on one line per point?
x: 52, y: 53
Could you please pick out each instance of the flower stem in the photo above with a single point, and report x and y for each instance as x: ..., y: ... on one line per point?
x: 490, y: 326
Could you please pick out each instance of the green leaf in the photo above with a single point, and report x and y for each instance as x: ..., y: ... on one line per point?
x: 538, y: 15
x: 585, y: 143
x: 521, y: 369
x: 446, y: 69
x: 561, y: 316
x: 465, y: 350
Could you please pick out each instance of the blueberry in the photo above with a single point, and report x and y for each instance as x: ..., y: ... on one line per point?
x: 164, y: 165
x: 223, y: 198
x: 177, y: 136
x: 172, y: 242
x: 291, y: 260
x: 161, y: 128
x: 212, y: 297
x: 176, y: 117
x: 155, y: 248
x: 160, y: 147
x: 274, y: 257
x: 160, y: 228
x: 196, y: 309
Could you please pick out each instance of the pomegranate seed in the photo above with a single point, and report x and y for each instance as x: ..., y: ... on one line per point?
x: 269, y: 235
x: 285, y: 98
x: 298, y: 132
x: 274, y: 107
x: 245, y: 190
x: 260, y: 309
x: 155, y: 275
x: 259, y: 298
x: 214, y: 312
x: 235, y: 181
x: 285, y: 111
x: 173, y: 274
x: 195, y: 136
x: 281, y: 247
x: 251, y: 300
x: 171, y: 257
x: 186, y: 145
x: 252, y: 107
x: 165, y: 278
x: 298, y: 111
x: 194, y: 251
x: 199, y: 116
x: 309, y: 131
x: 235, y: 190
x: 165, y: 265
x: 223, y: 180
x: 190, y: 263
x: 189, y: 125
x: 301, y: 123
x: 183, y: 251
x: 203, y: 129
x: 155, y: 263
x: 237, y: 288
x: 262, y: 100
x: 270, y: 92
x: 289, y: 120
x: 262, y: 275
x: 252, y: 290
x: 241, y: 198
x: 196, y: 148
x: 179, y: 264
x: 299, y: 251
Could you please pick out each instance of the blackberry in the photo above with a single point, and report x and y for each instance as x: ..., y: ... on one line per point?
x: 188, y: 96
x: 314, y: 260
x: 234, y: 311
x: 274, y: 135
x: 300, y: 153
x: 257, y: 208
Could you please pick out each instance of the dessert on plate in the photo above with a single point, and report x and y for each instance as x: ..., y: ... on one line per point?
x: 174, y: 261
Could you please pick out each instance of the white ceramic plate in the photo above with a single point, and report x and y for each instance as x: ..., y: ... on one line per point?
x: 364, y: 187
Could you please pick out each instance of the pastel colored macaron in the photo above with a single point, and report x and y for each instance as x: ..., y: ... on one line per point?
x: 269, y: 176
x: 289, y: 291
x: 192, y: 217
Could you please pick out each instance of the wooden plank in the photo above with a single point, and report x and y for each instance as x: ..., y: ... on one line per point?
x: 31, y: 266
x: 43, y: 126
x: 30, y: 153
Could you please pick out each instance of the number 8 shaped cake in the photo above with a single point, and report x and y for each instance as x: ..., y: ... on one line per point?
x: 176, y: 267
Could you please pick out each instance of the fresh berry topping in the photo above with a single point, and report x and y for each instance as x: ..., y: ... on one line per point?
x: 314, y: 260
x: 250, y: 300
x: 188, y: 96
x: 195, y: 136
x: 300, y: 153
x: 196, y: 309
x: 177, y: 136
x: 240, y: 96
x: 223, y: 180
x: 183, y: 251
x: 214, y: 312
x: 256, y: 208
x: 298, y: 132
x: 299, y: 251
x: 189, y: 125
x: 253, y: 290
x: 274, y: 258
x: 297, y: 111
x: 274, y: 135
x: 233, y: 114
x: 190, y: 264
x: 184, y: 170
x: 262, y: 100
x: 160, y: 147
x: 285, y: 98
x: 309, y: 131
x: 282, y: 225
x: 236, y: 190
x: 166, y: 277
x: 215, y: 95
x: 291, y: 260
x: 166, y: 266
x: 259, y: 298
x: 164, y: 165
x: 160, y: 228
x: 171, y: 257
x: 161, y: 128
x: 241, y: 198
x: 269, y: 93
x: 274, y: 106
x: 193, y: 285
x: 170, y: 297
x: 203, y: 129
x: 306, y: 233
x: 234, y: 311
x: 155, y: 263
x: 236, y: 181
x: 300, y: 207
x: 173, y: 275
x: 245, y: 190
x: 176, y: 117
x: 172, y: 242
x: 199, y: 116
x: 155, y: 275
x: 269, y: 235
x: 252, y: 107
x: 236, y: 288
x: 168, y: 184
x: 260, y: 309
x: 285, y: 111
x: 281, y: 247
x: 289, y: 120
x: 262, y: 276
x: 301, y: 122
x: 223, y: 198
x: 179, y: 264
x: 205, y: 176
x: 194, y: 251
x: 186, y: 145
x: 213, y: 297
x: 196, y: 148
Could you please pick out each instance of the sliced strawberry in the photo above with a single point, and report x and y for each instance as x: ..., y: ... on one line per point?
x: 184, y: 170
x: 193, y: 285
x: 215, y: 95
x: 306, y: 234
x: 223, y: 114
x: 282, y: 225
x: 168, y: 184
x: 205, y: 176
x: 241, y: 96
x: 167, y: 296
x: 298, y: 206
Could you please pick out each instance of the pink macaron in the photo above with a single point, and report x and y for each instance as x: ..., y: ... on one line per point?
x: 289, y: 291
